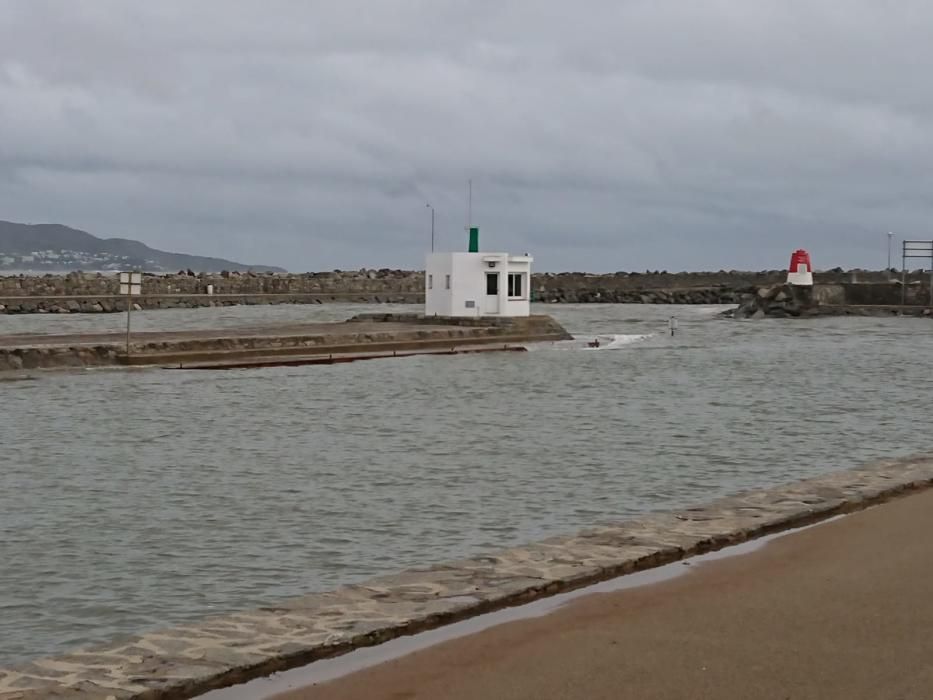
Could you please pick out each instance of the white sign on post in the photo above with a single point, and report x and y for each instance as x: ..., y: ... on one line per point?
x: 131, y: 285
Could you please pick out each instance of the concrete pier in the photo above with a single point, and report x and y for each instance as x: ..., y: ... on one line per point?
x: 825, y: 613
x: 363, y: 337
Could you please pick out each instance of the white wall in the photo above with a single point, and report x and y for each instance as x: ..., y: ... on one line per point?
x: 468, y: 284
x: 437, y: 299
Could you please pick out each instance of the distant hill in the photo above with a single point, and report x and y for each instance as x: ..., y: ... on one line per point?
x: 56, y: 248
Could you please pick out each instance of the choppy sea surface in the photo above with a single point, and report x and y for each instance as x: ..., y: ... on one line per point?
x: 133, y: 499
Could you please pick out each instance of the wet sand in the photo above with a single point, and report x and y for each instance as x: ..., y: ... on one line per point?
x: 842, y: 610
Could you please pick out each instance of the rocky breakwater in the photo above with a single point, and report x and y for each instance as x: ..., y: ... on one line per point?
x: 777, y: 301
x: 79, y: 292
x: 99, y: 293
x: 723, y: 287
x: 884, y: 298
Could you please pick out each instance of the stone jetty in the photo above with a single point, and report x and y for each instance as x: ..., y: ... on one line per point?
x: 889, y: 298
x: 363, y: 337
x: 187, y: 660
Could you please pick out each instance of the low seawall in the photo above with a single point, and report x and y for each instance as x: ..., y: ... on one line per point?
x: 99, y: 293
x: 369, y: 334
x: 188, y: 660
x: 116, y: 304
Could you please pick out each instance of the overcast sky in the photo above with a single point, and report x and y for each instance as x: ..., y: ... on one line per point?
x: 601, y: 135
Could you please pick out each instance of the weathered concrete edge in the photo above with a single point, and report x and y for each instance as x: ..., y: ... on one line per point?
x: 344, y: 338
x: 191, y: 659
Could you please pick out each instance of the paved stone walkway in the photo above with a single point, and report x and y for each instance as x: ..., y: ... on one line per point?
x: 183, y: 661
x: 833, y: 612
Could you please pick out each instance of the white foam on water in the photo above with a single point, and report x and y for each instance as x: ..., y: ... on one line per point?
x: 714, y: 310
x: 619, y: 341
x: 607, y: 341
x: 611, y: 341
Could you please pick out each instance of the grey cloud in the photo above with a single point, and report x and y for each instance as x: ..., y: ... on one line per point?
x: 616, y: 134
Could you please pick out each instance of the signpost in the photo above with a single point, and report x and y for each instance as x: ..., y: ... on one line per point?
x: 890, y: 240
x: 131, y: 284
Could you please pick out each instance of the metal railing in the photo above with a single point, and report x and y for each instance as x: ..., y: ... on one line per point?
x: 915, y: 250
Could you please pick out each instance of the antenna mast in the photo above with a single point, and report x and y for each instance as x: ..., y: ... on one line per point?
x: 470, y: 205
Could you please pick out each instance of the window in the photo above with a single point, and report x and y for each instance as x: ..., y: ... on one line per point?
x: 430, y: 281
x: 516, y: 284
x: 447, y: 282
x: 492, y: 284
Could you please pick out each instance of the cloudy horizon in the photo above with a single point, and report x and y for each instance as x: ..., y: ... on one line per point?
x: 637, y: 134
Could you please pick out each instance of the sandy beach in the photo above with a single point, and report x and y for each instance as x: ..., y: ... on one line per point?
x: 841, y: 610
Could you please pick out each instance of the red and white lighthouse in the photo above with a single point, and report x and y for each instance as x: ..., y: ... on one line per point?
x: 800, y: 272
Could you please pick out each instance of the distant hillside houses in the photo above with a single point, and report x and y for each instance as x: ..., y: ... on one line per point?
x: 71, y: 260
x: 30, y: 248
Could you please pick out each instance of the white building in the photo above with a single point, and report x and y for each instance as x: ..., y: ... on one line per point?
x: 477, y: 284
